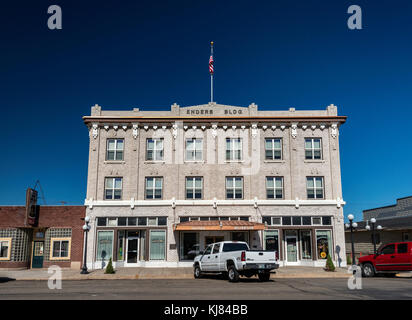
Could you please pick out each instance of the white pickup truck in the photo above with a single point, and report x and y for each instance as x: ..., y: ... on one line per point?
x: 234, y: 259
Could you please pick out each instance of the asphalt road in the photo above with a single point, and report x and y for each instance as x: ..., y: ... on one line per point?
x: 210, y: 288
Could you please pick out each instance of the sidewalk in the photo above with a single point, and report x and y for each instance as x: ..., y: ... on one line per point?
x: 162, y: 273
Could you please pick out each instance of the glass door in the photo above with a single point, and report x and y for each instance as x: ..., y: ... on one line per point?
x: 132, y: 247
x: 291, y: 243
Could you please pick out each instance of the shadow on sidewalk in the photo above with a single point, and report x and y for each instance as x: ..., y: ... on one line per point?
x: 6, y: 279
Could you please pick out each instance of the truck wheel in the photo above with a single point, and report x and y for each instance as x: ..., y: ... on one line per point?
x: 264, y: 276
x: 233, y: 274
x: 367, y: 270
x: 197, y: 272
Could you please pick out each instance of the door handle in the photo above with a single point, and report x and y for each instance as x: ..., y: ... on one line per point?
x: 215, y: 256
x: 208, y: 257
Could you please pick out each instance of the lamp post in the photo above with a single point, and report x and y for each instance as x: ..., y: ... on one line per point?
x: 86, y: 229
x: 373, y: 222
x: 351, y: 226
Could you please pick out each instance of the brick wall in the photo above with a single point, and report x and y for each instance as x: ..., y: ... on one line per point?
x: 50, y: 217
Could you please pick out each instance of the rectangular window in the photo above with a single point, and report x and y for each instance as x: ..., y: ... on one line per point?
x: 194, y: 186
x: 121, y: 221
x: 162, y: 221
x: 115, y: 149
x: 194, y: 149
x: 157, y: 244
x: 152, y: 221
x: 104, y: 245
x: 142, y: 221
x: 131, y: 221
x: 305, y: 236
x: 184, y: 219
x: 287, y: 221
x: 101, y: 222
x: 314, y: 187
x: 324, y: 243
x: 60, y: 248
x: 402, y: 248
x: 233, y: 149
x: 296, y: 221
x: 154, y: 187
x: 120, y: 244
x: 234, y: 187
x: 5, y: 248
x: 326, y: 221
x: 313, y: 149
x: 274, y: 187
x: 154, y: 150
x: 316, y: 221
x: 267, y: 220
x: 113, y: 189
x: 271, y: 240
x: 273, y: 149
x: 276, y: 221
x: 307, y: 221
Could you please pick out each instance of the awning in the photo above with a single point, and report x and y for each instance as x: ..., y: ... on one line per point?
x: 216, y: 225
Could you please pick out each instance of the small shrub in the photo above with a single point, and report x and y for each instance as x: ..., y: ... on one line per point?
x: 109, y: 268
x: 329, y: 264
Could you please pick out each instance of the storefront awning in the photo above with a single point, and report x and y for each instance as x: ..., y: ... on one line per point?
x: 216, y: 225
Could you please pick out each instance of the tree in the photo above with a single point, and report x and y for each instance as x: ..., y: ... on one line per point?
x: 109, y: 268
x: 329, y: 264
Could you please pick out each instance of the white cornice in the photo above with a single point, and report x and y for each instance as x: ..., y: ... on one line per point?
x: 172, y: 202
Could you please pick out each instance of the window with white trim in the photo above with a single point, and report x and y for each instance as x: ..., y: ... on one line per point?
x: 113, y: 188
x: 5, y: 248
x: 115, y: 149
x: 194, y: 186
x: 233, y: 149
x: 194, y: 149
x: 314, y: 187
x: 274, y: 187
x: 313, y: 149
x: 154, y: 150
x: 273, y: 149
x: 154, y: 187
x: 60, y: 248
x: 234, y: 187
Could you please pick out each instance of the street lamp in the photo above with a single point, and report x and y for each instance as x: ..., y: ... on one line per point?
x: 86, y: 229
x: 373, y: 222
x: 351, y: 226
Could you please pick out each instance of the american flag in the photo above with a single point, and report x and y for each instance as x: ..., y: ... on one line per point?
x: 211, y: 69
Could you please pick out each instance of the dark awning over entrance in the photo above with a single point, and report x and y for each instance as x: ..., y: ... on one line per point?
x: 216, y: 225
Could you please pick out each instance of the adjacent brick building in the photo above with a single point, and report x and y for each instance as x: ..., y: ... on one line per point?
x: 56, y: 238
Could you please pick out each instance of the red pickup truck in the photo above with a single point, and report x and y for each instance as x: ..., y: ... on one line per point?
x: 391, y: 258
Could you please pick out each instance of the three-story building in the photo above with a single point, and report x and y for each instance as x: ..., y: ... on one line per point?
x: 164, y: 184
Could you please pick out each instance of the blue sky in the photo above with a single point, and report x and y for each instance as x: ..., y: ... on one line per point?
x: 148, y: 54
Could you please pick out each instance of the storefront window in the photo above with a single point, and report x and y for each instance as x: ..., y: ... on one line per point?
x: 240, y: 236
x: 324, y: 243
x: 104, y: 245
x: 271, y: 240
x: 120, y: 249
x: 306, y: 244
x: 190, y: 245
x: 157, y: 245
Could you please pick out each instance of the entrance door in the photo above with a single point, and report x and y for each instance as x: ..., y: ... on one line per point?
x: 132, y: 249
x: 213, y: 239
x: 38, y: 250
x: 291, y: 249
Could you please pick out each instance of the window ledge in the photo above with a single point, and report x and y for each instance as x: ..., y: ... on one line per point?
x: 194, y: 161
x: 114, y: 162
x: 234, y: 161
x: 154, y: 162
x: 274, y: 161
x: 314, y: 161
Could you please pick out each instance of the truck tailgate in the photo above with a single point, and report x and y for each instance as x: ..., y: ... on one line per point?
x: 261, y: 256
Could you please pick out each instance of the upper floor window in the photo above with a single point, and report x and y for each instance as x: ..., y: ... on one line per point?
x: 233, y: 149
x: 113, y: 189
x: 273, y: 148
x: 313, y: 149
x: 234, y: 187
x: 314, y: 187
x: 154, y: 151
x: 274, y: 187
x: 115, y: 148
x: 194, y: 187
x: 154, y: 186
x: 194, y: 149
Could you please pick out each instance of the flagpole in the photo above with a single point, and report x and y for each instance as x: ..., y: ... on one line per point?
x: 211, y: 74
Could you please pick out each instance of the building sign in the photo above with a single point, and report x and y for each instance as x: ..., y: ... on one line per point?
x: 31, y: 207
x: 209, y: 112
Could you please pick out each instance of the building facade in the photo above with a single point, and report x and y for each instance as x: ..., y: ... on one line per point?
x: 54, y: 238
x: 396, y: 223
x: 164, y: 184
